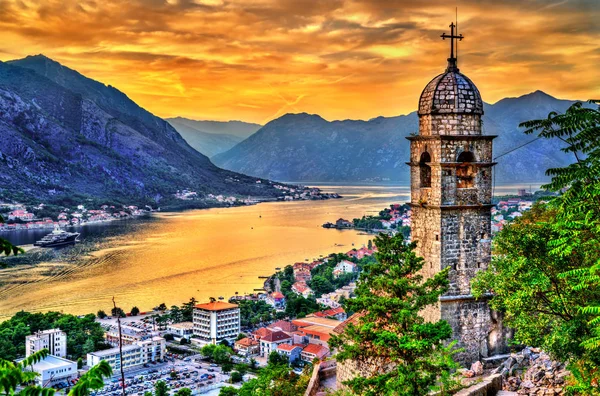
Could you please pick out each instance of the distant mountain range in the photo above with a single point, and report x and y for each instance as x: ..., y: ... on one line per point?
x: 212, y: 137
x: 307, y: 148
x: 65, y: 136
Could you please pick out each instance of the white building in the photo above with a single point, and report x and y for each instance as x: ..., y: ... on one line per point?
x: 134, y: 355
x: 344, y: 267
x: 54, y: 340
x: 53, y: 370
x: 216, y: 321
x: 271, y: 341
x: 183, y: 329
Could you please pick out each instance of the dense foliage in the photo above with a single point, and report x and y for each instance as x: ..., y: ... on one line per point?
x: 545, y: 274
x: 388, y: 333
x: 83, y: 333
x: 276, y: 379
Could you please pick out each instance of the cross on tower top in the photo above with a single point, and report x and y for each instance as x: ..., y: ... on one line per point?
x: 453, y: 37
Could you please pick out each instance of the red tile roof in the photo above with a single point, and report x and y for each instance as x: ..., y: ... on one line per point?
x: 262, y: 332
x: 316, y: 349
x: 284, y: 325
x: 246, y: 342
x: 216, y: 306
x: 287, y: 347
x: 277, y: 295
x: 275, y: 337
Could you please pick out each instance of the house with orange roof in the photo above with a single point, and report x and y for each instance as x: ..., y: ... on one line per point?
x: 260, y: 333
x: 314, y: 351
x: 291, y: 351
x: 247, y: 347
x: 270, y: 342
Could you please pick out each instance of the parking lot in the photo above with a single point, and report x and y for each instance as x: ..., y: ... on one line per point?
x: 191, y: 373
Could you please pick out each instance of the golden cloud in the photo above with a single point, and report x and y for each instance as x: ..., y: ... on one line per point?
x: 257, y: 59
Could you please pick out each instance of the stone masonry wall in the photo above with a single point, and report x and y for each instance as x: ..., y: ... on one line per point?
x: 465, y: 247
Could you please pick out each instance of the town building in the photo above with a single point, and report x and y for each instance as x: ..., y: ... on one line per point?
x: 276, y: 300
x: 216, y: 321
x: 301, y: 288
x: 271, y: 341
x: 54, y: 340
x: 150, y: 350
x: 314, y: 351
x: 344, y: 267
x: 129, y: 335
x: 53, y: 371
x: 291, y: 351
x: 182, y: 329
x: 247, y: 347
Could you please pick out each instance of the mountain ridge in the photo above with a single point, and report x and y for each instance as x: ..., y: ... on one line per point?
x: 358, y: 150
x: 63, y: 135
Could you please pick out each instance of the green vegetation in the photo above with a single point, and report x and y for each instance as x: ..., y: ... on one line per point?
x: 135, y: 311
x: 161, y: 388
x: 83, y: 334
x: 253, y: 313
x: 219, y: 354
x: 6, y: 247
x: 323, y: 281
x: 276, y: 379
x: 14, y: 376
x: 389, y: 330
x: 184, y: 392
x: 545, y: 275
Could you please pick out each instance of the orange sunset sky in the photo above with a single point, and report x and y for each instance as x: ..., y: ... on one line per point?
x: 255, y: 60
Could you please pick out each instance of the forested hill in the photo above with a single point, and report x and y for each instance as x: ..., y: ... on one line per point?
x: 65, y: 135
x: 304, y: 147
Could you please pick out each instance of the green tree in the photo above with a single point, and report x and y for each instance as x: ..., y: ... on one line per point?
x: 161, y: 389
x: 79, y: 363
x: 118, y: 312
x: 276, y: 359
x: 545, y: 275
x: 241, y: 368
x: 184, y: 392
x: 227, y: 367
x: 101, y: 314
x: 389, y: 331
x: 135, y: 311
x: 228, y: 391
x: 321, y: 285
x: 236, y: 376
x: 6, y: 247
x: 92, y: 380
x: 274, y: 380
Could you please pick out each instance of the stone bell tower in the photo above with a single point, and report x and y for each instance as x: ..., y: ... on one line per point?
x: 451, y: 197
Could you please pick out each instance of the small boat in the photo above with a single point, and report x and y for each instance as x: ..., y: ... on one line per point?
x: 58, y: 238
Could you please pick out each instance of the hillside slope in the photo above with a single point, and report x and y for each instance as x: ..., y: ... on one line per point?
x: 303, y: 147
x: 206, y: 143
x: 63, y: 135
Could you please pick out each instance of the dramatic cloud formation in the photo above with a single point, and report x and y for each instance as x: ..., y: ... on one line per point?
x: 257, y: 59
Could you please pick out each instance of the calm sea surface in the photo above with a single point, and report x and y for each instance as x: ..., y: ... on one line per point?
x: 201, y: 253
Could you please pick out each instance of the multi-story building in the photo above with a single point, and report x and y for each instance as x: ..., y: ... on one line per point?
x: 136, y: 354
x: 129, y: 335
x: 54, y: 370
x: 54, y: 340
x: 216, y: 321
x: 182, y: 329
x: 270, y: 342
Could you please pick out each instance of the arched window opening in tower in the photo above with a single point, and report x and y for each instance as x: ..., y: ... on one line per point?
x: 465, y: 173
x: 425, y: 169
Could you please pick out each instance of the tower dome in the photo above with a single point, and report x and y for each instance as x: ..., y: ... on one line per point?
x: 450, y: 93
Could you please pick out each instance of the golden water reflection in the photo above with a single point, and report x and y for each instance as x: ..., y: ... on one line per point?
x: 201, y: 253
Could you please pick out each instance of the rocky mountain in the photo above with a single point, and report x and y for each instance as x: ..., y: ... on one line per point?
x: 210, y: 143
x: 304, y: 147
x: 63, y: 136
